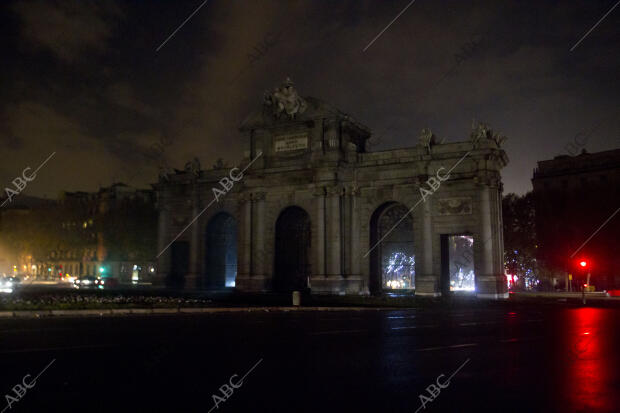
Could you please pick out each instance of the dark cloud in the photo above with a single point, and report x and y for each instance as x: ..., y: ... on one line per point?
x: 68, y: 29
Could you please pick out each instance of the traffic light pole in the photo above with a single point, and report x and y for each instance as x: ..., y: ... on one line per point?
x: 583, y: 294
x: 583, y: 289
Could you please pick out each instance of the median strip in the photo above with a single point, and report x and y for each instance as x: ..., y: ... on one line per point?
x: 176, y: 310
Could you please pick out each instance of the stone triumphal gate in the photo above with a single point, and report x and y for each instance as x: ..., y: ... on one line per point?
x: 315, y: 209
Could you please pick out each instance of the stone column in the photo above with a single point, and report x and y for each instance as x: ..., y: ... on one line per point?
x: 428, y: 239
x: 354, y: 282
x: 334, y: 231
x: 193, y: 277
x: 259, y: 244
x: 245, y: 253
x: 320, y: 231
x: 355, y: 231
x: 490, y: 281
x: 427, y: 283
x: 499, y: 252
x: 486, y: 248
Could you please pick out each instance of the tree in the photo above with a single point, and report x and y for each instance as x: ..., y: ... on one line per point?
x: 520, y: 238
x: 129, y: 230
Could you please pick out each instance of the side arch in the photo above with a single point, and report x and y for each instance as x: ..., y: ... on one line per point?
x: 392, y: 255
x: 221, y: 252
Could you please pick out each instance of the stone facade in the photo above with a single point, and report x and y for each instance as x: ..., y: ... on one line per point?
x: 308, y: 155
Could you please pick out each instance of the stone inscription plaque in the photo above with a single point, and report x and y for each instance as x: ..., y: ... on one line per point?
x: 454, y: 206
x: 291, y: 142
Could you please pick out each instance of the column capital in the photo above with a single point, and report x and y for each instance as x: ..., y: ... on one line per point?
x: 353, y: 189
x: 319, y: 191
x: 492, y: 181
x: 335, y: 190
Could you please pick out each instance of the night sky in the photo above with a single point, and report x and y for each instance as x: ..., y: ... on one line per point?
x: 84, y: 79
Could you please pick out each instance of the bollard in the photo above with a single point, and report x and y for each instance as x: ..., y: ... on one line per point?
x: 296, y: 298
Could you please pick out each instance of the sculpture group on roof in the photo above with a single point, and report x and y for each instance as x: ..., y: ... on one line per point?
x: 285, y: 99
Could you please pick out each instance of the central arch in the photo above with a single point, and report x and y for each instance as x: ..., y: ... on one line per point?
x: 179, y: 264
x: 292, y: 250
x: 221, y: 257
x: 392, y: 259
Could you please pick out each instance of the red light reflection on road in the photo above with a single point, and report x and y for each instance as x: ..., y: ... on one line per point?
x: 589, y: 380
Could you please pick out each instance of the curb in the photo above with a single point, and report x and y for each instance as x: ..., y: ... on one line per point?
x: 181, y: 310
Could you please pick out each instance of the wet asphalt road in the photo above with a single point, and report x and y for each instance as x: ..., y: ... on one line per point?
x: 505, y: 359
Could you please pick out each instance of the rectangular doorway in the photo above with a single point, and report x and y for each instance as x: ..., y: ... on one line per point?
x: 457, y: 264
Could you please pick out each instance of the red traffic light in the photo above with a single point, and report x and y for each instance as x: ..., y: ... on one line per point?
x: 583, y: 264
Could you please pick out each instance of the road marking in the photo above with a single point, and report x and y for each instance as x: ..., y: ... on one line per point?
x: 510, y: 340
x: 464, y: 345
x: 445, y: 347
x: 514, y: 340
x: 338, y: 332
x: 406, y: 327
x: 479, y: 323
x: 488, y: 323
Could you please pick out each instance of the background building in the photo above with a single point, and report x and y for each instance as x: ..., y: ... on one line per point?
x: 574, y: 196
x: 25, y: 241
x: 110, y: 233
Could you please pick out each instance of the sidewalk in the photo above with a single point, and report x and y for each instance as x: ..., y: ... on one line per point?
x: 598, y: 295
